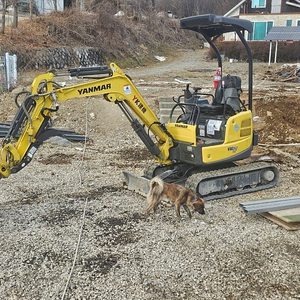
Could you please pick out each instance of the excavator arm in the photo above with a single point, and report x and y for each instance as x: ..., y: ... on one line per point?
x: 30, y: 127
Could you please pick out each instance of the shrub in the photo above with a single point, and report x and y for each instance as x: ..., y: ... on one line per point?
x: 287, y: 52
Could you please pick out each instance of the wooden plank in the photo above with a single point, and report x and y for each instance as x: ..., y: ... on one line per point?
x: 288, y: 215
x: 280, y: 222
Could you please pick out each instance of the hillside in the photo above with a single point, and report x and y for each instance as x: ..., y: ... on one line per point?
x: 129, y: 41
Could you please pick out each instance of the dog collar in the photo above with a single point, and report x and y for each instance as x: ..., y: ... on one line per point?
x: 194, y: 200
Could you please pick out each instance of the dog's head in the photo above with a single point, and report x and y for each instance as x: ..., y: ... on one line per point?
x: 198, y: 205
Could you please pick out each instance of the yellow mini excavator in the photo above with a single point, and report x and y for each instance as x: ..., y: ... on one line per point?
x: 198, y: 146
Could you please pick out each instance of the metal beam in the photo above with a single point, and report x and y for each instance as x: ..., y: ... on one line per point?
x: 270, y: 205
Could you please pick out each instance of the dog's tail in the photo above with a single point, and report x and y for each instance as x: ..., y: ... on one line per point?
x: 156, y: 188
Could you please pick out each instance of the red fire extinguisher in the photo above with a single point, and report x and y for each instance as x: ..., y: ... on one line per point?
x: 217, y: 77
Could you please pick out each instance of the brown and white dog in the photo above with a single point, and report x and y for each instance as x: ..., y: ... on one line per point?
x: 178, y: 194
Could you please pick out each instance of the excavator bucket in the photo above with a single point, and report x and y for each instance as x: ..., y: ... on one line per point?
x: 138, y: 184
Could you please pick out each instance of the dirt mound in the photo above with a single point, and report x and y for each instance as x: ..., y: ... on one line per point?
x: 279, y: 119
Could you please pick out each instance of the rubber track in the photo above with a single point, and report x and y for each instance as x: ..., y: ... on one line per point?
x: 193, y: 181
x: 148, y: 172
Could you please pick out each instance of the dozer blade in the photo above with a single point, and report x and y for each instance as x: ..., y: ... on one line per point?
x: 138, y: 184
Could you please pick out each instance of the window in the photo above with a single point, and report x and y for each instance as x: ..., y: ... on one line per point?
x: 298, y: 23
x: 250, y: 34
x: 288, y: 22
x: 258, y: 3
x: 260, y: 29
x: 269, y: 26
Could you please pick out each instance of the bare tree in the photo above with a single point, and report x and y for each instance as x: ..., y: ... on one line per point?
x: 55, y: 5
x: 153, y: 4
x: 31, y: 8
x: 180, y: 8
x: 4, y: 7
x: 15, y: 13
x: 184, y: 8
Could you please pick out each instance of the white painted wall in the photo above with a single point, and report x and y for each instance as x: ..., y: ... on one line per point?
x: 278, y: 19
x: 47, y: 6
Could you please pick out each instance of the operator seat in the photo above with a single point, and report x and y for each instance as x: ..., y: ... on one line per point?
x: 226, y: 100
x: 230, y: 93
x: 227, y: 96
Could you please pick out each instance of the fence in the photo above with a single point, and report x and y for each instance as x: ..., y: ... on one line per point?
x: 8, y: 72
x: 2, y: 74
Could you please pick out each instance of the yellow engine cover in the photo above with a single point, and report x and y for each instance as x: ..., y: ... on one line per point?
x: 238, y: 138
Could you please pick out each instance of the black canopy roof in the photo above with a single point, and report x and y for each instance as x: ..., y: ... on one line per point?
x: 213, y: 25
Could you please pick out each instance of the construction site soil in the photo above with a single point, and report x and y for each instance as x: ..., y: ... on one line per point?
x: 69, y: 230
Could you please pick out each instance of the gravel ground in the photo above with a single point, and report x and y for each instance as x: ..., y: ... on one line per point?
x: 70, y: 231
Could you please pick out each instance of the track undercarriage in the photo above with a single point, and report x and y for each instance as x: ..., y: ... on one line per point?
x: 210, y: 184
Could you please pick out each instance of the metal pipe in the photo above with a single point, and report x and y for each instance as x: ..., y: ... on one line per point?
x: 250, y: 64
x: 270, y: 205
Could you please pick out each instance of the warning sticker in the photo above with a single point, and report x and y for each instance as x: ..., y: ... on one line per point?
x: 127, y: 89
x: 213, y: 125
x: 236, y: 127
x: 201, y: 130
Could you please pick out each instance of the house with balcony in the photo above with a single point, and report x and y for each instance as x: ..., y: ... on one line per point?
x: 264, y: 14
